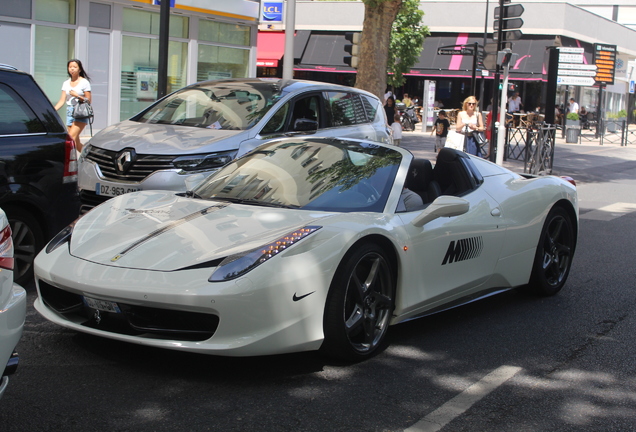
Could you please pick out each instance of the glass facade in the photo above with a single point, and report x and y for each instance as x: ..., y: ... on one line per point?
x: 57, y: 11
x: 53, y: 48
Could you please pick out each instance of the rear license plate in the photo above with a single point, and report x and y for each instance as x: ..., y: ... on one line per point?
x: 102, y: 305
x: 112, y: 190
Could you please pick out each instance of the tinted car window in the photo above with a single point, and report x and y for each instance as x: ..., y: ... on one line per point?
x: 345, y: 109
x: 15, y: 116
x: 215, y: 105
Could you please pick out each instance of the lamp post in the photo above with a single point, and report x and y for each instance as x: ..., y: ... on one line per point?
x: 290, y: 25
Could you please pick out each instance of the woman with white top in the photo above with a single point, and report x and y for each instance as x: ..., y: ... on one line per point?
x: 75, y: 89
x: 468, y: 121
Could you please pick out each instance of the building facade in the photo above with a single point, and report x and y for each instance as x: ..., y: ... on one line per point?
x: 117, y: 42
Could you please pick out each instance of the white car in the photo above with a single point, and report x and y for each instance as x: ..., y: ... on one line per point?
x: 189, y: 134
x: 307, y: 244
x: 12, y: 306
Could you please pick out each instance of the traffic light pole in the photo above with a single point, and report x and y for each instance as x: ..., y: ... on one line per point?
x: 495, y: 92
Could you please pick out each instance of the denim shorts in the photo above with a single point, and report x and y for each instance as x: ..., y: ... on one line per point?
x: 69, y: 117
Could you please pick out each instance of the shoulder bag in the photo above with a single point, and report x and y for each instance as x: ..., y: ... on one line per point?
x: 83, y: 110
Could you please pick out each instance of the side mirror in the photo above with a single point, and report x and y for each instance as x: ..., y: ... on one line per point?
x: 305, y: 125
x: 443, y: 206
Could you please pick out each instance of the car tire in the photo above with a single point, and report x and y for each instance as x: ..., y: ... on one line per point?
x: 28, y: 240
x: 554, y: 254
x: 359, y: 305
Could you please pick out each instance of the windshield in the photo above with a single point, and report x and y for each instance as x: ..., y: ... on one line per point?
x: 328, y: 175
x: 232, y: 105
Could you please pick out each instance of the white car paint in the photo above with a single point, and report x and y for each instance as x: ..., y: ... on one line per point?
x: 151, y: 248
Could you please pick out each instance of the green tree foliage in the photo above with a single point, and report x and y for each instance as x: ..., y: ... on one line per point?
x: 407, y: 40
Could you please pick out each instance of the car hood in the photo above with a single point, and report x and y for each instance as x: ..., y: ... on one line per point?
x: 163, y: 231
x: 148, y: 138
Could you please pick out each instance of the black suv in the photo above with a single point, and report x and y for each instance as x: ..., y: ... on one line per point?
x: 38, y: 168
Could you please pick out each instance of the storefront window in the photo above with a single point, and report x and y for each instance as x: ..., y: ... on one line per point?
x: 139, y: 21
x: 139, y: 73
x: 58, y: 11
x: 216, y: 62
x: 54, y: 47
x: 234, y: 34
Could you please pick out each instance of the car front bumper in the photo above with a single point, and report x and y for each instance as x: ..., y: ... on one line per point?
x: 12, y: 315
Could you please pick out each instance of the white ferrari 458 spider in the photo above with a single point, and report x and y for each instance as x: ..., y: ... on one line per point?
x: 307, y: 244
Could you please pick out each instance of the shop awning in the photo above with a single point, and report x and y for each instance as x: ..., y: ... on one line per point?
x: 270, y: 47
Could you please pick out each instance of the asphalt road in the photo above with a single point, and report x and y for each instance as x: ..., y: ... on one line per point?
x: 507, y: 363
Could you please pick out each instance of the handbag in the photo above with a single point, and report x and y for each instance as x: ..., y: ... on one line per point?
x: 82, y: 110
x: 480, y: 138
x: 454, y: 140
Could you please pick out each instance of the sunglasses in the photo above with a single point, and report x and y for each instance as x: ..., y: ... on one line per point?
x: 470, y: 103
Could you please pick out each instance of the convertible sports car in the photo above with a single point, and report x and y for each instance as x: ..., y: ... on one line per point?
x: 306, y: 244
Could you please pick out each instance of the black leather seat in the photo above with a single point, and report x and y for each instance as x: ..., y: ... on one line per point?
x: 420, y: 180
x: 451, y: 174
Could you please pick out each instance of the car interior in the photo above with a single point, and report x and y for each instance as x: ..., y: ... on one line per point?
x: 453, y: 174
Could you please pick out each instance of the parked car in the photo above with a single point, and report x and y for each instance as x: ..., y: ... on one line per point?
x: 307, y: 244
x: 182, y: 138
x: 12, y: 307
x: 38, y: 168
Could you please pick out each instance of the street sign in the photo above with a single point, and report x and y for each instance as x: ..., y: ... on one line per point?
x: 509, y: 35
x: 632, y: 85
x: 453, y: 51
x: 576, y: 72
x: 605, y: 61
x: 579, y: 81
x: 577, y: 66
x: 570, y: 58
x: 571, y: 50
x: 509, y: 24
x: 510, y: 11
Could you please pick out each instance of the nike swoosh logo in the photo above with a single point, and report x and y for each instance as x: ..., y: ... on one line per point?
x: 296, y: 298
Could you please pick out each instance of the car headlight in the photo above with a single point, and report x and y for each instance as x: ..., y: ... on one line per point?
x: 237, y: 265
x: 204, y: 161
x: 62, y: 237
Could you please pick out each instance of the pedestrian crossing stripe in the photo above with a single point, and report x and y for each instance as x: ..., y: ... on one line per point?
x: 609, y: 212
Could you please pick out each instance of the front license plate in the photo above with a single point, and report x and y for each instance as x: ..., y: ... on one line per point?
x: 112, y: 190
x: 102, y: 305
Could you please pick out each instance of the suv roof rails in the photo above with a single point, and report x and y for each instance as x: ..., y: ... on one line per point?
x: 6, y: 66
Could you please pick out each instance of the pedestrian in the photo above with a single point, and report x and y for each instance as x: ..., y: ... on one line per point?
x: 468, y: 121
x: 573, y: 107
x: 74, y: 90
x: 389, y: 109
x: 397, y: 130
x: 440, y: 127
x: 514, y: 103
x: 406, y: 100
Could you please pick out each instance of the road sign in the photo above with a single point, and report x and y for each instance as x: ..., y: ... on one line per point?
x: 453, y: 51
x: 571, y: 50
x: 570, y: 58
x: 575, y: 72
x: 509, y: 35
x: 605, y: 61
x: 510, y: 11
x: 632, y: 86
x: 579, y: 81
x: 509, y: 24
x: 577, y: 66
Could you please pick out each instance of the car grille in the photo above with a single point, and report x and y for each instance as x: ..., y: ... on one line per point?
x: 140, y: 321
x: 142, y: 166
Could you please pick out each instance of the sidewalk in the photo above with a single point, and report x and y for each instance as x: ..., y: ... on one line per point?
x: 567, y: 157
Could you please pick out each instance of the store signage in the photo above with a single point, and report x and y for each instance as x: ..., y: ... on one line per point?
x: 272, y: 12
x: 605, y: 61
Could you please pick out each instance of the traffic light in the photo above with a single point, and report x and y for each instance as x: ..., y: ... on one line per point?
x: 511, y: 23
x: 352, y: 48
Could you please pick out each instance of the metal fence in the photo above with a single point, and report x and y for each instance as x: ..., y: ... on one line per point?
x: 609, y: 131
x: 533, y: 145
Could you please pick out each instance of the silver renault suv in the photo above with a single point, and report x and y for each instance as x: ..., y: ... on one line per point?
x: 181, y: 139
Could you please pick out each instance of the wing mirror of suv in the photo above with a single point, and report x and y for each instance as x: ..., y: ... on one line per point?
x: 443, y: 206
x: 305, y: 125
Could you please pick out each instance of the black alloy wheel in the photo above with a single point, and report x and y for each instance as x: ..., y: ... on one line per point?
x: 28, y: 240
x: 555, y: 251
x: 359, y: 305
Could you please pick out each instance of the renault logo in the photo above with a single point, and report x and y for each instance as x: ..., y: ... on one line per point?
x: 124, y: 160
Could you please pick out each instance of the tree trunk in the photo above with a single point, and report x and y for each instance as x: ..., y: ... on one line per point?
x: 374, y: 45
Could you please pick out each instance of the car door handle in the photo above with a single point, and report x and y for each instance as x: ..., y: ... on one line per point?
x: 495, y: 212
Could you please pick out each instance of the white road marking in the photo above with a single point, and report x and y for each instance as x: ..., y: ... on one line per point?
x: 443, y: 415
x: 609, y: 212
